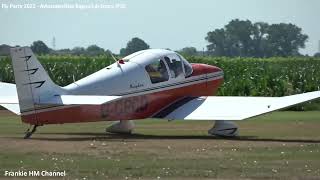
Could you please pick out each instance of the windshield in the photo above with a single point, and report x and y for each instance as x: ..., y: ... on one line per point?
x: 187, y: 66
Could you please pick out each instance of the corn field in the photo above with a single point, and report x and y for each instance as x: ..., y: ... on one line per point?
x: 243, y: 76
x: 266, y: 77
x: 62, y: 69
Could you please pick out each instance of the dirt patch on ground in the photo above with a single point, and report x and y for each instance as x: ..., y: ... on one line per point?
x: 154, y: 137
x: 113, y: 144
x: 266, y: 150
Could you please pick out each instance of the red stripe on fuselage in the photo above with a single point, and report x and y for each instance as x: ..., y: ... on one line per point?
x: 135, y: 107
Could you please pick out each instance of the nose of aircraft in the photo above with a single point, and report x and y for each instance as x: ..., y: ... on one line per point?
x: 199, y: 69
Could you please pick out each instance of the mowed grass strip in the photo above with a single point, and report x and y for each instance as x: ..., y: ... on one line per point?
x: 282, y: 145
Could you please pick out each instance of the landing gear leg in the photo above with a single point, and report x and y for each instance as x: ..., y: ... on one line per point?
x: 224, y: 129
x: 29, y: 133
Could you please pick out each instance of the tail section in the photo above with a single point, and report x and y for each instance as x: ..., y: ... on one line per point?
x: 36, y: 90
x: 33, y: 84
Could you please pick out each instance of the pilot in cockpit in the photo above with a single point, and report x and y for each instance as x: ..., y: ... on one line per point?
x: 163, y: 70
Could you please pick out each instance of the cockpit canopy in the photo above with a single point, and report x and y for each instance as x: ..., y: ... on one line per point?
x: 162, y: 65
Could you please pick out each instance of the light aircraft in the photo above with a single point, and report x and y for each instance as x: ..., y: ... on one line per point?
x: 153, y: 83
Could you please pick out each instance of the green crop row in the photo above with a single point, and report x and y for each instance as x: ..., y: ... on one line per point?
x: 243, y: 76
x: 266, y: 77
x: 62, y: 69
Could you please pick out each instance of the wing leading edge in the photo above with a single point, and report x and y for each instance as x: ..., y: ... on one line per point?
x: 235, y: 108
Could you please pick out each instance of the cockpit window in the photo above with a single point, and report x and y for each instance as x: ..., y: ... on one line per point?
x: 187, y: 67
x: 157, y: 71
x: 175, y: 65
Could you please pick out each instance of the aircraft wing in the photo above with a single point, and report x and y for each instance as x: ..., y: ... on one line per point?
x: 231, y: 108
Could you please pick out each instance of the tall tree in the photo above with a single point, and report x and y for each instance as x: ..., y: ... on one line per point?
x: 285, y: 39
x: 233, y: 40
x: 78, y: 51
x: 94, y: 50
x: 218, y: 42
x: 239, y: 36
x: 189, y: 51
x: 259, y: 42
x: 134, y: 45
x: 40, y: 47
x: 242, y: 38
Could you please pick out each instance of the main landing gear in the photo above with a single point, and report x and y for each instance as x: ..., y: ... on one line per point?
x: 224, y: 129
x: 220, y: 128
x: 29, y: 133
x: 121, y: 127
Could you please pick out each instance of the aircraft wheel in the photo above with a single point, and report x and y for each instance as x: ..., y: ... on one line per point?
x: 121, y: 127
x: 224, y: 129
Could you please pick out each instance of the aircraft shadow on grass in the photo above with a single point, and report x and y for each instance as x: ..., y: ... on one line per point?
x: 137, y: 137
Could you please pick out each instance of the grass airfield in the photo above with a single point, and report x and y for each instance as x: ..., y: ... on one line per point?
x: 281, y: 145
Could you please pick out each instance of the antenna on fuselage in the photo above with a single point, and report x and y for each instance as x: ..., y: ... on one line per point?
x: 115, y: 59
x: 73, y: 78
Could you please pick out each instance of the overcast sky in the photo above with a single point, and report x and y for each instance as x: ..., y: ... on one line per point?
x: 162, y: 23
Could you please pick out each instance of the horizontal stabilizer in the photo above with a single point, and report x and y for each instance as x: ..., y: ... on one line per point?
x: 9, y: 97
x: 235, y: 108
x: 79, y: 100
x: 9, y: 100
x: 12, y: 107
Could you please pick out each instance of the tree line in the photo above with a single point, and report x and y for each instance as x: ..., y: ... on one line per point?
x: 239, y: 38
x: 135, y: 44
x: 260, y: 39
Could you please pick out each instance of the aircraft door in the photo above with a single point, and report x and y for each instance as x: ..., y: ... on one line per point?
x: 157, y: 71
